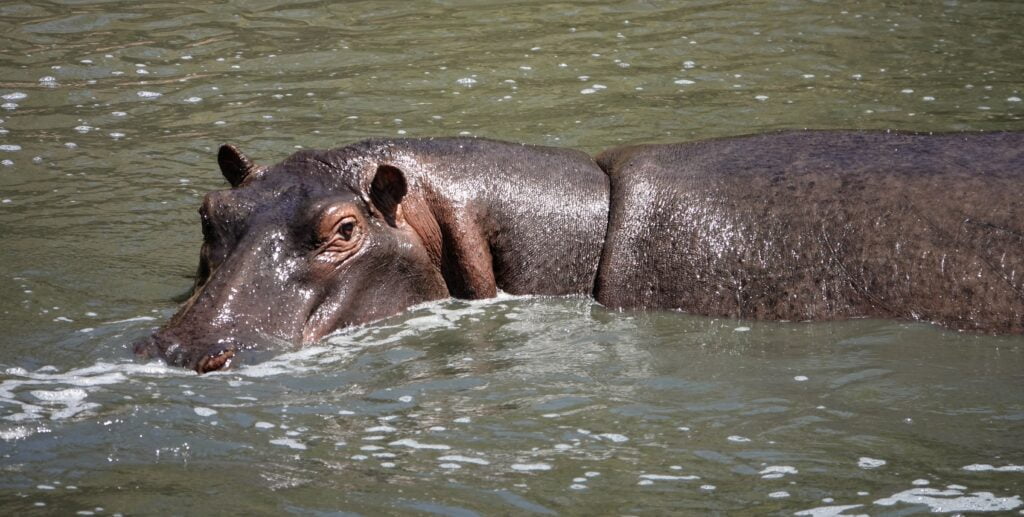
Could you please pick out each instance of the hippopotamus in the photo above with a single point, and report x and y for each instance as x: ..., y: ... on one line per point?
x: 794, y: 225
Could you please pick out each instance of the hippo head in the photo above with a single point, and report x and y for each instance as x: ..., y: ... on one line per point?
x: 295, y: 251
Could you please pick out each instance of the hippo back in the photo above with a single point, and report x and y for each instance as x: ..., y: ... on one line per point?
x: 820, y: 225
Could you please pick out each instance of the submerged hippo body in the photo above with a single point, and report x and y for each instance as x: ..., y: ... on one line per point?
x: 793, y: 225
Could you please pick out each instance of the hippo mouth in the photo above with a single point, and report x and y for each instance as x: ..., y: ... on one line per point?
x: 201, y: 357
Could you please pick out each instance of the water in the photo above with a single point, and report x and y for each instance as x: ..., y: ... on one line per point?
x: 110, y: 113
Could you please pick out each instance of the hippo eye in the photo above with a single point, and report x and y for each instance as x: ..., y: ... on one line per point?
x: 346, y: 229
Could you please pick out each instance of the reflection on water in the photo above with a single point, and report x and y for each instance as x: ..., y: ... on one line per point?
x: 110, y: 113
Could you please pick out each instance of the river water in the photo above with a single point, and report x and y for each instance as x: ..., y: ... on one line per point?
x: 110, y: 116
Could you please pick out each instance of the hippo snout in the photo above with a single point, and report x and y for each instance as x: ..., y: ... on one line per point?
x: 202, y: 356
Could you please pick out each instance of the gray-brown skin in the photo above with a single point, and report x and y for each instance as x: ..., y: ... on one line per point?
x: 821, y: 225
x: 329, y: 239
x: 792, y: 225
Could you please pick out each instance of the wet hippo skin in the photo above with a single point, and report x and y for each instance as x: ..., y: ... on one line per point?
x: 821, y: 225
x: 810, y: 225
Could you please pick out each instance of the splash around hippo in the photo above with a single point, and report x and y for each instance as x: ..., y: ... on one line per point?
x: 809, y: 225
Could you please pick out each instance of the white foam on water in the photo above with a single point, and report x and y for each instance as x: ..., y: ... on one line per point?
x: 684, y: 81
x: 466, y: 81
x: 464, y: 459
x: 1013, y: 99
x: 800, y: 378
x: 738, y: 439
x: 530, y: 467
x: 761, y: 98
x: 781, y: 494
x: 668, y: 477
x: 830, y: 511
x: 870, y: 463
x: 947, y: 501
x: 380, y: 429
x: 984, y: 467
x: 193, y: 100
x: 204, y: 411
x: 451, y: 466
x: 708, y: 488
x: 10, y: 147
x: 264, y: 425
x: 14, y: 96
x: 463, y: 420
x: 290, y: 443
x: 777, y: 471
x: 617, y: 438
x: 409, y: 442
x: 148, y: 95
x: 920, y: 482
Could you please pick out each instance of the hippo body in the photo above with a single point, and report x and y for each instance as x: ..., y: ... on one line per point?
x: 818, y: 225
x: 795, y: 226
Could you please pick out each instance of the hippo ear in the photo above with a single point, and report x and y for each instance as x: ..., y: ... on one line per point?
x: 386, y: 192
x: 234, y: 165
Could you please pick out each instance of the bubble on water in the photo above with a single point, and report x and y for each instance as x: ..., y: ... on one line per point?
x: 950, y: 501
x: 927, y: 98
x: 617, y: 438
x: 290, y: 443
x: 708, y: 488
x: 777, y: 471
x: 263, y: 425
x: 857, y: 77
x: 83, y: 128
x: 984, y: 467
x: 920, y: 482
x: 683, y: 81
x: 371, y: 448
x: 588, y: 91
x: 808, y: 76
x: 599, y: 86
x: 9, y: 105
x: 741, y: 329
x: 1013, y: 99
x: 148, y: 95
x: 738, y: 439
x: 437, y: 428
x: 405, y: 398
x: 530, y: 467
x: 387, y: 464
x: 70, y: 145
x: 466, y: 81
x: 463, y: 420
x: 689, y: 64
x: 781, y: 494
x: 464, y: 459
x: 984, y: 108
x: 48, y: 81
x: 577, y: 486
x: 761, y: 98
x: 907, y: 90
x: 870, y: 463
x: 800, y: 378
x: 14, y: 96
x: 193, y: 100
x: 205, y: 411
x: 46, y: 487
x: 380, y: 429
x: 10, y: 147
x: 409, y: 442
x: 450, y: 466
x: 116, y: 135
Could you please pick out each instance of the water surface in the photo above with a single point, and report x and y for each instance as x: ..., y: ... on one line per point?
x: 110, y: 114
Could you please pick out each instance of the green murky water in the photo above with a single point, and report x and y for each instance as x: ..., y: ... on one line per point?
x: 109, y: 115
